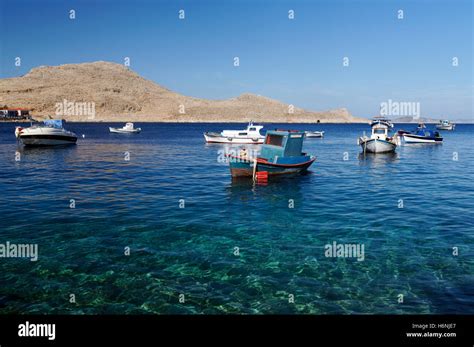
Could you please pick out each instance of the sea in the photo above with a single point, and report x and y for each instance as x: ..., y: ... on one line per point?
x: 153, y: 223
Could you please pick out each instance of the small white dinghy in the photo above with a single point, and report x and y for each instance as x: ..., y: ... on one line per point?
x: 314, y: 133
x: 127, y: 129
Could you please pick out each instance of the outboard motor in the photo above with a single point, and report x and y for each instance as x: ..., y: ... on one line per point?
x: 18, y: 131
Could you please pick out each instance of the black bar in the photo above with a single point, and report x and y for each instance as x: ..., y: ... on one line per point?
x: 321, y: 330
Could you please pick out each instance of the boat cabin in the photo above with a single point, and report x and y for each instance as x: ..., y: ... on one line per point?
x: 380, y: 128
x: 252, y: 130
x: 283, y: 146
x: 380, y: 131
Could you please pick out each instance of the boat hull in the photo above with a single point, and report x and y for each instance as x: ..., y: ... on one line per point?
x: 410, y: 138
x: 445, y: 127
x: 315, y: 134
x: 237, y: 140
x: 122, y: 131
x: 241, y: 167
x: 47, y: 140
x: 45, y: 136
x: 377, y: 146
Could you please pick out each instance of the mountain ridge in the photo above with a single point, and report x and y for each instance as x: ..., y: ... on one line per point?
x: 117, y: 93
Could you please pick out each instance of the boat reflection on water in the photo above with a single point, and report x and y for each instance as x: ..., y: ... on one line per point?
x: 428, y: 146
x: 45, y: 151
x: 245, y: 183
x: 277, y: 192
x: 282, y: 180
x: 375, y: 159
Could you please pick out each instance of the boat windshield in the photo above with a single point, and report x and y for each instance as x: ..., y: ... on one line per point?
x: 379, y: 131
x: 53, y: 123
x: 274, y: 140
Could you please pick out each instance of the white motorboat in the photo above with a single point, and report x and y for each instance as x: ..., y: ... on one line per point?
x: 127, y: 129
x: 49, y: 133
x: 249, y: 135
x: 314, y: 133
x: 445, y: 125
x: 379, y: 141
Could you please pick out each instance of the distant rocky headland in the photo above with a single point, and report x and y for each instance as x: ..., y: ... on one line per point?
x: 410, y: 119
x: 104, y: 91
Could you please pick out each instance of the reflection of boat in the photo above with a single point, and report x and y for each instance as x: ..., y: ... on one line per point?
x: 445, y: 125
x: 314, y: 133
x: 280, y: 154
x: 379, y: 141
x: 50, y: 133
x: 377, y: 158
x: 249, y: 135
x: 38, y: 152
x: 127, y: 129
x: 421, y: 135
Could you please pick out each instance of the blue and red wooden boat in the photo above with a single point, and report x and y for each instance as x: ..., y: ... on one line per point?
x: 281, y: 154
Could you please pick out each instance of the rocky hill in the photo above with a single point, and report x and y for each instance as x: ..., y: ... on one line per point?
x: 115, y: 93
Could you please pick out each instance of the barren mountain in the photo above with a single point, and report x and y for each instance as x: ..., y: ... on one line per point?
x: 115, y: 93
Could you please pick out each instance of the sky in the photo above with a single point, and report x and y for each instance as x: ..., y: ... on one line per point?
x: 297, y: 61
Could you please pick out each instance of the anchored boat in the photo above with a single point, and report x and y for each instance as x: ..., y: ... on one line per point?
x: 421, y: 135
x: 281, y: 154
x: 445, y: 125
x: 49, y: 133
x: 127, y: 129
x: 379, y: 141
x: 249, y: 135
x: 314, y: 133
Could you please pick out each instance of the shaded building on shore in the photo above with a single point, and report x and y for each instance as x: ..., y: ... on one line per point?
x: 15, y: 114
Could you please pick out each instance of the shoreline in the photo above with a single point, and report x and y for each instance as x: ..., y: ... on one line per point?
x: 181, y: 121
x: 208, y: 122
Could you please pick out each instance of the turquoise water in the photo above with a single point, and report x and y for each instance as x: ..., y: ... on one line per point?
x: 192, y: 250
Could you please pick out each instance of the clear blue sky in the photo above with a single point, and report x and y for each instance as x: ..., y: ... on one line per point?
x: 296, y: 61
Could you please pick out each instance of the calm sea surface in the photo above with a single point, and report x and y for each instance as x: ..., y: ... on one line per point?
x: 235, y: 247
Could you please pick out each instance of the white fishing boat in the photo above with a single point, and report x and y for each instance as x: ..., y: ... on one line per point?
x: 127, y: 129
x: 251, y: 135
x: 314, y: 133
x: 49, y: 133
x: 379, y: 141
x: 445, y: 125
